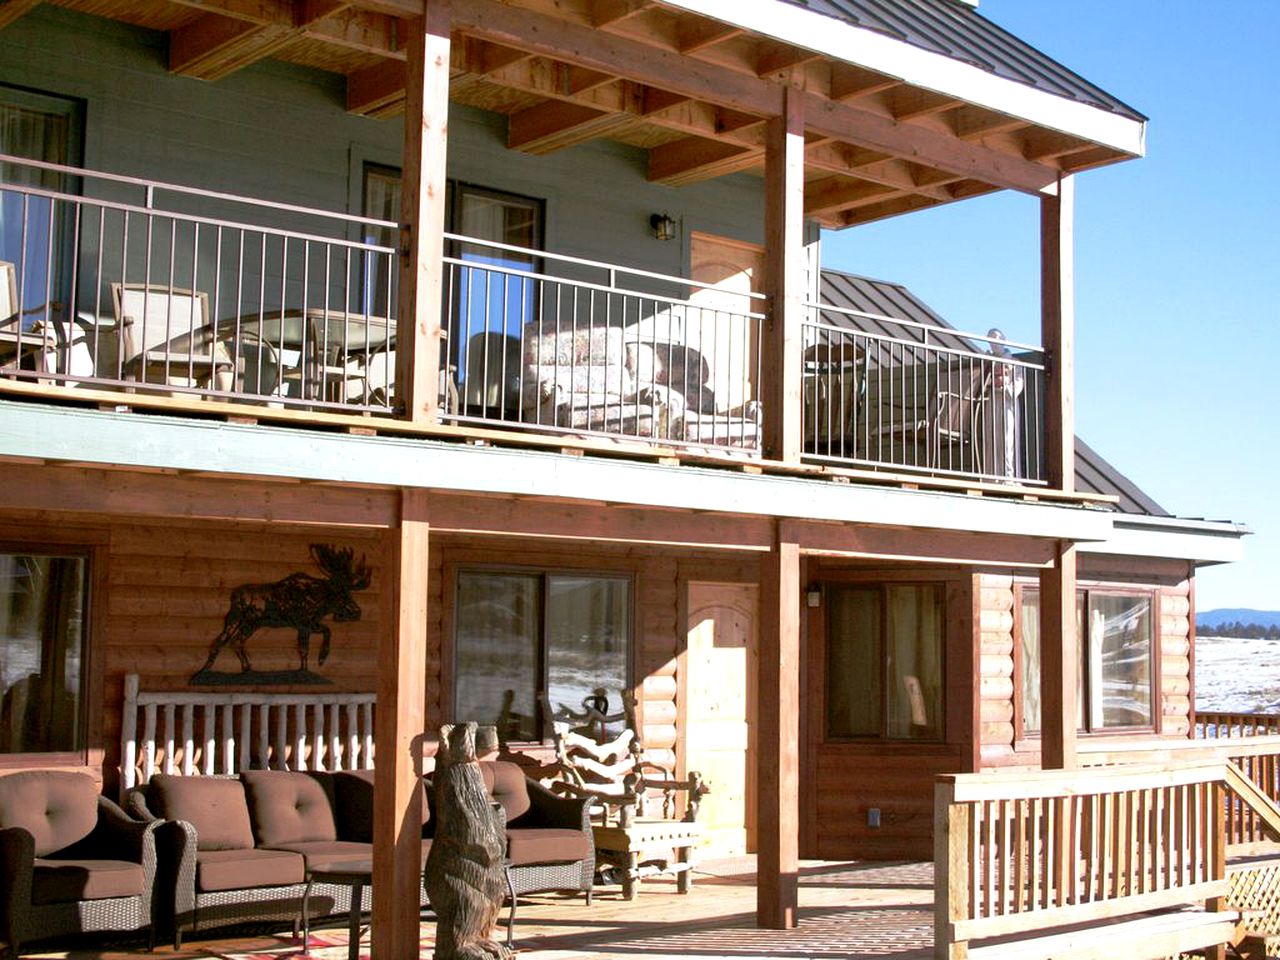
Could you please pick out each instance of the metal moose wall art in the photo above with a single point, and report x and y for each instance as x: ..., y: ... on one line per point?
x: 299, y: 602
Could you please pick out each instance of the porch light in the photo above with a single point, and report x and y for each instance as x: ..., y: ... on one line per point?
x: 663, y: 226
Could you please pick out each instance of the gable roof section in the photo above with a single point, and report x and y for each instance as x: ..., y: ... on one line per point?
x: 955, y: 29
x: 851, y: 292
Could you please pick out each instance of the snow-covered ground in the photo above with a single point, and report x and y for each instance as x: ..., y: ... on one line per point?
x: 1237, y: 676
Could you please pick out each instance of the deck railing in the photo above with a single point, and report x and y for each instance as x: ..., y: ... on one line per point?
x: 885, y: 393
x: 1212, y: 725
x: 118, y: 281
x: 555, y: 343
x: 1024, y: 853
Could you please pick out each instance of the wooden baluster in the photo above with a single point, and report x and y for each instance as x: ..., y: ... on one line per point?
x: 149, y: 742
x: 169, y: 739
x: 227, y: 712
x: 282, y: 737
x: 353, y: 736
x: 1020, y: 856
x: 264, y: 735
x: 243, y: 750
x: 299, y: 737
x: 188, y: 740
x: 318, y: 760
x: 366, y: 755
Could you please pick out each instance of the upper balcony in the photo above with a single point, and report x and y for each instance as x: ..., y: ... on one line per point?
x: 134, y: 288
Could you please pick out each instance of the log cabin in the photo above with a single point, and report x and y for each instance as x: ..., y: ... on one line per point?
x: 521, y: 306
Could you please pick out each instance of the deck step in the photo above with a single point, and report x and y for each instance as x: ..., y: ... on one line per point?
x: 1146, y: 937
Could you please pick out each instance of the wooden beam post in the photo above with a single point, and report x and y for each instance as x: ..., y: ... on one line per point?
x: 1057, y: 331
x: 401, y: 717
x: 778, y: 773
x: 784, y: 279
x: 422, y: 193
x: 1059, y: 661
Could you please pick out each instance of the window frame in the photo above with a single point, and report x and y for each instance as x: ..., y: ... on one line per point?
x: 92, y: 546
x: 1083, y: 592
x: 883, y: 585
x: 449, y: 627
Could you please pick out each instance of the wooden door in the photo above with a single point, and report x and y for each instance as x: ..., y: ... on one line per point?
x: 720, y: 689
x: 729, y: 344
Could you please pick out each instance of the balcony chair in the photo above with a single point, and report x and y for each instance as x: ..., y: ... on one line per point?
x: 65, y: 349
x: 492, y: 385
x: 71, y: 861
x: 946, y: 436
x: 640, y: 829
x: 165, y: 334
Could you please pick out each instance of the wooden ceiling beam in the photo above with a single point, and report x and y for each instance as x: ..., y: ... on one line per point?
x: 336, y: 22
x: 215, y: 46
x: 774, y: 58
x: 646, y: 63
x: 695, y: 159
x: 377, y: 91
x: 605, y: 13
x: 12, y: 10
x: 697, y: 34
x: 849, y: 82
x: 836, y: 194
x: 973, y: 123
x: 555, y: 125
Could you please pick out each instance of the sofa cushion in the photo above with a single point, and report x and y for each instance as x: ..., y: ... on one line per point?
x: 506, y: 783
x: 330, y: 853
x: 289, y: 807
x: 66, y: 881
x: 353, y: 805
x: 57, y: 807
x: 215, y: 806
x: 244, y: 869
x: 527, y: 845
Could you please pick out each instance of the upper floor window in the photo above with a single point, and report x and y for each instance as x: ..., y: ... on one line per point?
x: 519, y: 634
x: 36, y: 232
x: 1115, y: 666
x: 884, y: 661
x: 43, y: 667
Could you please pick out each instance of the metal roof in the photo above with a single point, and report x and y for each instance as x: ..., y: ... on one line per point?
x: 955, y: 29
x: 851, y: 292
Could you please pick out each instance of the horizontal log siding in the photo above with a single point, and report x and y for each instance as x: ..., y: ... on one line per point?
x: 998, y: 677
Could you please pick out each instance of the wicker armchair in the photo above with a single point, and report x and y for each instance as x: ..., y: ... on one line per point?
x: 71, y: 861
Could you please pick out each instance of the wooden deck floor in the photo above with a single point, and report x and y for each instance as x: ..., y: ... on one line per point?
x: 854, y: 910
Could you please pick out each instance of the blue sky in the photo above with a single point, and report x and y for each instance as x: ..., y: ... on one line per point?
x: 1177, y: 262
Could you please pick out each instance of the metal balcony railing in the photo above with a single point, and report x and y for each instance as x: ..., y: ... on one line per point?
x: 109, y: 280
x: 891, y: 394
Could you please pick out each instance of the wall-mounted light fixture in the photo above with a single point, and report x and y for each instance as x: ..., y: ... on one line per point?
x: 663, y: 226
x: 813, y: 595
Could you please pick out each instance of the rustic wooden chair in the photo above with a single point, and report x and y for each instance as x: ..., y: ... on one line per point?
x: 635, y: 800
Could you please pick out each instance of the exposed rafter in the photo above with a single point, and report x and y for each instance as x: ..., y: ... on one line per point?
x: 11, y: 10
x: 554, y: 125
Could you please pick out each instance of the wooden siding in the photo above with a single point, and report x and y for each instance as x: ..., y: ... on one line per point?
x: 1171, y: 586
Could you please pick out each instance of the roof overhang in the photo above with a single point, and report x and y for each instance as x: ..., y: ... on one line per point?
x: 1202, y: 542
x: 925, y: 69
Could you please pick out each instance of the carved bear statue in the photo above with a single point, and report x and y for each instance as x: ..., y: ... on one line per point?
x: 463, y: 877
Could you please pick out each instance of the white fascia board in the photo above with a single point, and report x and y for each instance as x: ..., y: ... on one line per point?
x: 157, y: 442
x: 1201, y: 542
x: 924, y: 68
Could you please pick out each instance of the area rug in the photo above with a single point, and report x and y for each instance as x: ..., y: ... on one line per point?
x: 330, y: 945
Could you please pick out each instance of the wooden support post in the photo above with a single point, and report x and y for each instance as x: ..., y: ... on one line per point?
x: 1057, y: 331
x: 402, y: 694
x: 1059, y: 661
x: 951, y: 869
x: 778, y: 773
x: 422, y: 213
x: 784, y: 279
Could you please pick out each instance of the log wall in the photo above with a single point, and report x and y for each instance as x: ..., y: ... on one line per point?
x: 1171, y: 586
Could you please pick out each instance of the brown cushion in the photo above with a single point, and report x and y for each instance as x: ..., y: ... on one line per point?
x: 63, y: 881
x: 547, y: 845
x: 57, y: 807
x: 244, y: 869
x: 215, y: 806
x: 506, y: 783
x: 353, y: 805
x: 289, y: 807
x: 330, y: 852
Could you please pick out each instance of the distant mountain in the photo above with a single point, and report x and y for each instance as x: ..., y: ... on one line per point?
x: 1215, y: 618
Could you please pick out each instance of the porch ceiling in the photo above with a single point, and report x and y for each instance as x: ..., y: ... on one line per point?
x: 693, y: 91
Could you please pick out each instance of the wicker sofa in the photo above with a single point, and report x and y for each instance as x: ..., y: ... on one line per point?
x: 241, y: 847
x: 71, y: 861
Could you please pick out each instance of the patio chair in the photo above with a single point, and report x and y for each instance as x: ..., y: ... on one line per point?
x: 71, y: 861
x: 945, y: 437
x: 165, y: 337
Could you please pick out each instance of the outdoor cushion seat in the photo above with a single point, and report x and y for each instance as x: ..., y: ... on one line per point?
x: 240, y: 869
x: 547, y: 845
x: 289, y: 807
x: 60, y: 881
x: 215, y: 807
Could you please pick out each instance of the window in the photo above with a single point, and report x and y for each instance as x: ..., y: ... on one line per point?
x: 381, y: 200
x: 35, y: 231
x: 519, y: 634
x: 43, y: 668
x: 884, y: 661
x: 1115, y: 666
